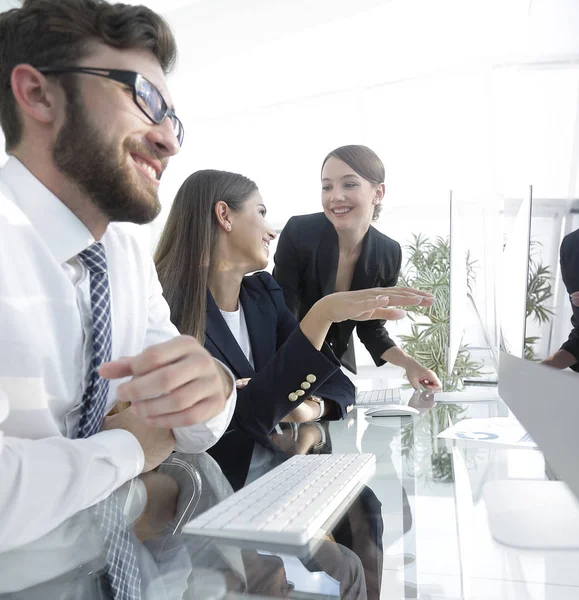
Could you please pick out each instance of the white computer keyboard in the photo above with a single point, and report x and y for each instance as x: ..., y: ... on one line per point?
x: 377, y: 397
x: 289, y: 504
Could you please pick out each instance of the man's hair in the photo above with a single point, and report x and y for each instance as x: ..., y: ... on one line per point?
x: 58, y: 33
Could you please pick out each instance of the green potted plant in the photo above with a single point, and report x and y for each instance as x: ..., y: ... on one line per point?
x: 428, y: 268
x: 539, y: 292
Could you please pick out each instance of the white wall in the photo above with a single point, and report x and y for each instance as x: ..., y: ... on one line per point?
x: 471, y: 95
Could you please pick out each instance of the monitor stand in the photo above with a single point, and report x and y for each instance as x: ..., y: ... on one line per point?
x: 534, y: 515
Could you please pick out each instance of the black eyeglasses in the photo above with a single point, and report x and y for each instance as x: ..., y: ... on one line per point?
x: 145, y: 95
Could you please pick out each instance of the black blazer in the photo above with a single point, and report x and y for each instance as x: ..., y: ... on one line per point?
x: 306, y: 265
x: 283, y: 358
x: 569, y: 260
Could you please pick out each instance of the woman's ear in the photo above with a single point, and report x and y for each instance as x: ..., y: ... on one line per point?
x: 222, y: 212
x: 379, y: 193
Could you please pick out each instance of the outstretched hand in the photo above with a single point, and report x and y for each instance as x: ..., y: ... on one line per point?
x: 374, y: 303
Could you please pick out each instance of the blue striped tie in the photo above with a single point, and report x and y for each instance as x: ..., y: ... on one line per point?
x: 123, y: 574
x: 95, y: 396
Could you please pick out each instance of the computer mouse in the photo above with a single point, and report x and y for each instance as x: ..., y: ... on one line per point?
x: 392, y: 410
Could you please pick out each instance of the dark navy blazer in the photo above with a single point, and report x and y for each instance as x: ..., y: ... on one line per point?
x: 569, y: 255
x: 283, y: 358
x: 306, y: 265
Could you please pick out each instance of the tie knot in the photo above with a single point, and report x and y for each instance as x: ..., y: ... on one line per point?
x: 94, y: 258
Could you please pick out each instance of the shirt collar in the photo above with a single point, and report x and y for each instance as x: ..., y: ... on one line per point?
x: 62, y: 232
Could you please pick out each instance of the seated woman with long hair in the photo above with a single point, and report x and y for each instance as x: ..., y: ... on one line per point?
x: 216, y: 234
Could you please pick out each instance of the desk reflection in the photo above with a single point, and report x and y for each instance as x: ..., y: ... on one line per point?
x: 172, y: 564
x: 431, y: 537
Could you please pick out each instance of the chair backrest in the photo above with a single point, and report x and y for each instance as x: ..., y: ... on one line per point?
x: 190, y: 488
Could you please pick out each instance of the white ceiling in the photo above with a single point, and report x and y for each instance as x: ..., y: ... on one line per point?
x: 549, y: 26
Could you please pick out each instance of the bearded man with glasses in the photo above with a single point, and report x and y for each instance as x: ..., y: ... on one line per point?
x: 89, y: 126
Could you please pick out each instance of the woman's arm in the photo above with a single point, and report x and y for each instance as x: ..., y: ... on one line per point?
x: 418, y: 375
x: 373, y: 334
x: 272, y: 393
x: 383, y: 349
x: 298, y: 368
x: 338, y: 392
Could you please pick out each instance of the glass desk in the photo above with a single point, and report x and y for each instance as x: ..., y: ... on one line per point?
x: 431, y: 521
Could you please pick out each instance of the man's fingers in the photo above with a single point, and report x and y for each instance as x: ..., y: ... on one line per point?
x: 198, y: 413
x: 117, y: 368
x: 176, y: 401
x: 152, y: 358
x: 161, y: 381
x: 159, y: 355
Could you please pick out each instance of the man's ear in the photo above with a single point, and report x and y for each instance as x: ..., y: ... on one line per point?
x: 34, y: 94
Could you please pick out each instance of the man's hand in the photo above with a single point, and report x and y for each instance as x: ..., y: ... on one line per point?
x: 157, y: 443
x: 174, y: 384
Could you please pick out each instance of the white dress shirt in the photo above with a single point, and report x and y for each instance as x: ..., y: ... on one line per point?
x: 45, y: 349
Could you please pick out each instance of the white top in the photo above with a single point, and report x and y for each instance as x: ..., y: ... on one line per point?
x: 238, y: 327
x: 45, y: 348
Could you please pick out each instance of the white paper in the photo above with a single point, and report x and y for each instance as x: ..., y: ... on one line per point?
x: 505, y: 431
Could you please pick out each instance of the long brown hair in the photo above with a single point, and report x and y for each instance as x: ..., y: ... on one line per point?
x: 363, y: 161
x: 184, y: 254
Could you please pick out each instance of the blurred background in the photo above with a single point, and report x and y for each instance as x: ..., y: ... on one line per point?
x: 477, y: 99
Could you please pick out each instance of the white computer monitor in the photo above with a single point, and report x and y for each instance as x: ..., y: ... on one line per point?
x: 512, y: 292
x: 537, y: 513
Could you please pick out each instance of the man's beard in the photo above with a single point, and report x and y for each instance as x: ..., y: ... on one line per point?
x: 100, y: 170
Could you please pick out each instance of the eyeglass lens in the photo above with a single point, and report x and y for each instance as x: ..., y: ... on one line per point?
x: 151, y: 101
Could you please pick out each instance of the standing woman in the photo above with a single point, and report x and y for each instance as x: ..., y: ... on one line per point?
x: 339, y: 250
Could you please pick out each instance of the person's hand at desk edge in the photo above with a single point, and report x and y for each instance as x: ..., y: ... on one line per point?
x: 364, y: 305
